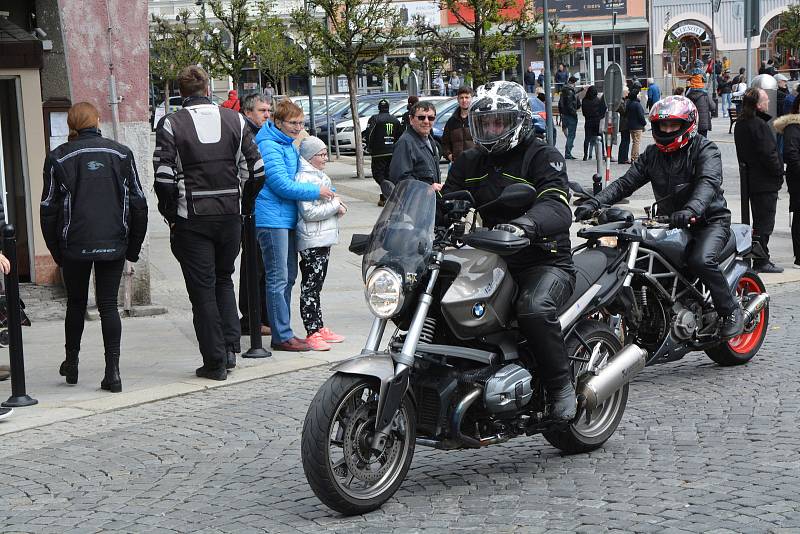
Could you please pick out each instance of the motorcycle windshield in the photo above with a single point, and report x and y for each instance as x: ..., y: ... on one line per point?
x: 402, y: 238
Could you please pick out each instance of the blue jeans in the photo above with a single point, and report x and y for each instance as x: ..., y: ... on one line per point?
x: 280, y: 263
x: 570, y: 124
x: 726, y: 103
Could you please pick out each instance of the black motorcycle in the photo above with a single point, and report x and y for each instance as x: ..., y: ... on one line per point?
x: 456, y: 373
x: 664, y: 308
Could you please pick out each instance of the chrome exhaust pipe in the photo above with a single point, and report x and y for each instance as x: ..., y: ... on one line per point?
x: 625, y: 365
x: 754, y: 307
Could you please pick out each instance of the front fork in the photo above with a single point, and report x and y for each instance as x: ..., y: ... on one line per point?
x: 392, y: 395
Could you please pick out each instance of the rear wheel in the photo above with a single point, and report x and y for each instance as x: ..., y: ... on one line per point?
x: 340, y: 465
x: 589, y: 431
x: 742, y: 348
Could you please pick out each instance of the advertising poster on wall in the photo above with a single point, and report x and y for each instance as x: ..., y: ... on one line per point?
x: 636, y: 61
x: 586, y: 8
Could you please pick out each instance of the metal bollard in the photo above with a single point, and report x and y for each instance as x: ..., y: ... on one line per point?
x: 253, y: 292
x: 18, y: 396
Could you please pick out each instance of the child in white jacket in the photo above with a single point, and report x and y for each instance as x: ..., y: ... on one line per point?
x: 317, y: 230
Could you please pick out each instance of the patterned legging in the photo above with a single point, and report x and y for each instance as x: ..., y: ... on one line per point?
x: 314, y: 268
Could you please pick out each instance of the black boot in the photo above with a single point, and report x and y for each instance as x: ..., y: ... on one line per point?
x: 112, y: 382
x: 230, y: 362
x: 563, y: 402
x: 732, y: 324
x: 69, y: 367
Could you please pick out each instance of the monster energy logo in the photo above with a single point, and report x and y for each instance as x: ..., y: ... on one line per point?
x: 389, y: 128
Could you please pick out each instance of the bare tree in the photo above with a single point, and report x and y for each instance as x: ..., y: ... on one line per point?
x: 226, y: 40
x: 173, y: 46
x: 276, y: 52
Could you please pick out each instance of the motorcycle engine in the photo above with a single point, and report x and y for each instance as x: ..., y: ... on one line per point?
x: 508, y: 390
x: 684, y: 325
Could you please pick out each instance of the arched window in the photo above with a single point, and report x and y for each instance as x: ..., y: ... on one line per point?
x: 686, y: 42
x: 769, y: 48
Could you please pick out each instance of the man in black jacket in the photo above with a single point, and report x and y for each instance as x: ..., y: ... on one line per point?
x: 568, y: 109
x: 757, y: 150
x: 509, y: 153
x: 685, y: 171
x: 416, y: 154
x: 383, y: 131
x: 208, y: 170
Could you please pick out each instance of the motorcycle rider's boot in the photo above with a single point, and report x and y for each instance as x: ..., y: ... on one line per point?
x: 563, y: 402
x: 69, y: 367
x: 112, y: 382
x: 732, y: 324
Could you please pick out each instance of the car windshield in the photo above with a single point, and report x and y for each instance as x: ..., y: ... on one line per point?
x: 402, y: 238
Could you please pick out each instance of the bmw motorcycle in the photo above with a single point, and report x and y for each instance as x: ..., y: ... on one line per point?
x: 456, y: 372
x: 663, y: 308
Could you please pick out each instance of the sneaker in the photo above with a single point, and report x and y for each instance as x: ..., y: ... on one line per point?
x: 5, y: 412
x: 292, y: 345
x: 329, y: 336
x: 315, y: 342
x: 732, y: 324
x: 768, y: 268
x: 219, y: 374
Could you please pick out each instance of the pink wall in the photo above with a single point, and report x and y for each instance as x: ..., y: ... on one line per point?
x: 84, y: 25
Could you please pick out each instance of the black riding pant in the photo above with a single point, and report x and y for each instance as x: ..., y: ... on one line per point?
x: 542, y: 290
x: 764, y: 206
x: 107, y: 275
x: 207, y: 251
x: 704, y: 260
x: 380, y: 168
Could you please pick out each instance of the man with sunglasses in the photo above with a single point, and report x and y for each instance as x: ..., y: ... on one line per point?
x: 416, y: 154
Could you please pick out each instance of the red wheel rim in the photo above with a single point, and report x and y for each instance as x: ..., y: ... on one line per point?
x: 748, y: 341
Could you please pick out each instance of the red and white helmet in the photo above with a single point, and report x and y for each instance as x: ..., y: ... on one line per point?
x: 673, y: 108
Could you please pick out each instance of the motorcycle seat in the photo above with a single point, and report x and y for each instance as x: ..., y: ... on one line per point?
x: 589, y: 267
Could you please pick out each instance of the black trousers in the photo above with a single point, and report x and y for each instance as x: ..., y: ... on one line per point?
x: 624, y: 146
x: 796, y: 236
x: 314, y: 269
x: 206, y: 251
x: 107, y: 275
x: 542, y: 290
x: 704, y: 260
x: 244, y: 290
x: 380, y: 168
x: 590, y: 136
x: 764, y: 206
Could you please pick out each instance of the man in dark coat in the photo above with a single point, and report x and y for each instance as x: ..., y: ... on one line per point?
x: 416, y: 154
x: 757, y: 149
x: 702, y: 102
x: 568, y: 109
x: 457, y: 137
x: 530, y: 80
x: 383, y: 131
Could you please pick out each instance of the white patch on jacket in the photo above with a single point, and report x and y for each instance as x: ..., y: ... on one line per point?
x: 317, y: 220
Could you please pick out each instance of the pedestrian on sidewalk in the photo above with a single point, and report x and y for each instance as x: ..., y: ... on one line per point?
x: 702, y: 101
x: 317, y: 232
x: 724, y: 86
x: 456, y: 137
x: 93, y: 214
x: 653, y: 93
x: 276, y: 217
x: 594, y: 109
x: 383, y: 131
x: 257, y: 109
x: 208, y: 171
x: 756, y: 148
x: 789, y: 126
x: 624, y: 133
x: 530, y: 80
x: 636, y: 121
x: 568, y: 106
x: 416, y: 154
x: 233, y: 101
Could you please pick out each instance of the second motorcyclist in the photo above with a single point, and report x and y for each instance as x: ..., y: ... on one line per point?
x: 507, y: 153
x: 685, y: 170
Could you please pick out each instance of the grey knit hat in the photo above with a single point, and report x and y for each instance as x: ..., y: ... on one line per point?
x: 311, y: 146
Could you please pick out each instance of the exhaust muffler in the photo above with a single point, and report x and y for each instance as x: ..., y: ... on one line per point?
x: 625, y: 365
x: 754, y: 307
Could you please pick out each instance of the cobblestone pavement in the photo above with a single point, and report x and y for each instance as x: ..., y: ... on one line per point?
x: 701, y: 449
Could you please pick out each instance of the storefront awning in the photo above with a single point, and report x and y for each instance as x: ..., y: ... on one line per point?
x: 596, y: 26
x: 18, y: 48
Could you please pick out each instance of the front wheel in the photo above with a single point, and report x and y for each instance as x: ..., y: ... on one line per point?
x: 340, y: 466
x: 742, y: 348
x: 589, y: 431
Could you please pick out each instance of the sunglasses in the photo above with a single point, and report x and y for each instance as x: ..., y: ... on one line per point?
x: 422, y: 118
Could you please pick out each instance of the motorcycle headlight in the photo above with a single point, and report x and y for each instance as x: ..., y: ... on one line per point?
x: 384, y: 292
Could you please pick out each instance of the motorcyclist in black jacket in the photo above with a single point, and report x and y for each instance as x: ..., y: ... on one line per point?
x: 383, y: 131
x: 507, y: 153
x: 685, y: 170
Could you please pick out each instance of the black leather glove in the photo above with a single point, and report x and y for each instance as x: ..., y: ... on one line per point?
x: 511, y: 229
x: 586, y: 210
x: 682, y: 218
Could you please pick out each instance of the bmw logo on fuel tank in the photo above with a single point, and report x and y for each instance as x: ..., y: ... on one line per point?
x: 478, y: 309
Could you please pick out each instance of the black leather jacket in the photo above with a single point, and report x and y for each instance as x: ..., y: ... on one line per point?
x: 698, y: 165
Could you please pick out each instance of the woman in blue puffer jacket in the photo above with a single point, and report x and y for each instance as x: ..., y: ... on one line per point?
x: 276, y: 217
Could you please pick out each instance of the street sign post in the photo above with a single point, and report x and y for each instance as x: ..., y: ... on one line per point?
x: 612, y: 94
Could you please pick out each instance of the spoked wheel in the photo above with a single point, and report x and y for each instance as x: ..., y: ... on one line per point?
x: 590, y: 430
x: 742, y: 348
x: 341, y: 467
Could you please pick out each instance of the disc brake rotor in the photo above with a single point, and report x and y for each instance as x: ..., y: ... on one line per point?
x: 359, y: 456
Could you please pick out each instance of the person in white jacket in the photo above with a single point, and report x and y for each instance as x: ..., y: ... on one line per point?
x: 317, y: 230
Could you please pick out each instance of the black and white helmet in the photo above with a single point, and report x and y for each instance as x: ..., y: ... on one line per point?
x: 500, y: 116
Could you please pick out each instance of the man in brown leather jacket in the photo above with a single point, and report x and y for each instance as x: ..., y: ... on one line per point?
x: 457, y: 137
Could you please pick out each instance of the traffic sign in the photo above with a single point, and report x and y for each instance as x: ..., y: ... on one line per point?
x: 612, y: 86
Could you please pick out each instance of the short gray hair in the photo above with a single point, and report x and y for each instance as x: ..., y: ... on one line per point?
x: 249, y: 102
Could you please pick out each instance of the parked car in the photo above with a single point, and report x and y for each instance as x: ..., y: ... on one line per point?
x: 175, y: 103
x: 366, y: 106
